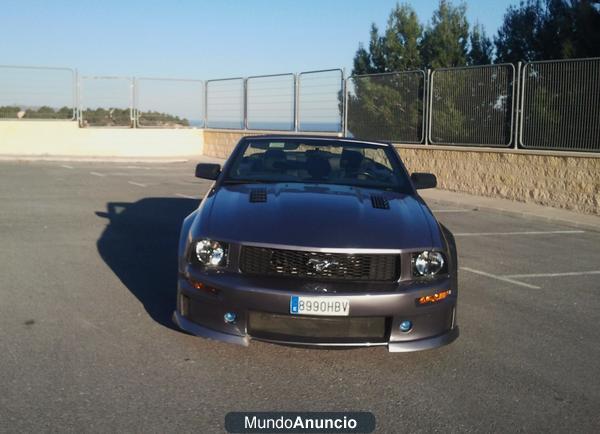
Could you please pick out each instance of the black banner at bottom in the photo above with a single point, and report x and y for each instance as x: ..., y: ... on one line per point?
x: 300, y: 422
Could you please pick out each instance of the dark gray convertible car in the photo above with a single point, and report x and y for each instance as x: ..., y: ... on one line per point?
x: 323, y: 241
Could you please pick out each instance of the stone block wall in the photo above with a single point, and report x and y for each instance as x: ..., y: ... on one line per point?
x: 570, y: 182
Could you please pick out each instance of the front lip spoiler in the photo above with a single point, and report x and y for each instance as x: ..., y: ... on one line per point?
x: 393, y: 347
x: 195, y: 329
x: 424, y: 344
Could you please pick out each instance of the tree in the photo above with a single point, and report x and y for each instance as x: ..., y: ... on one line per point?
x: 586, y: 33
x: 372, y: 61
x: 481, y: 50
x: 402, y: 39
x: 397, y: 49
x: 549, y: 29
x: 570, y: 29
x: 375, y: 103
x: 65, y: 113
x: 362, y: 61
x: 518, y: 37
x: 44, y: 112
x: 445, y: 39
x: 9, y: 111
x: 377, y: 51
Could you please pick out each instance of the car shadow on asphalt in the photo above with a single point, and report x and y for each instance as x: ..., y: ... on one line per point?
x: 140, y: 243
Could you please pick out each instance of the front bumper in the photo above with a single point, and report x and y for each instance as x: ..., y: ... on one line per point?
x: 201, y: 312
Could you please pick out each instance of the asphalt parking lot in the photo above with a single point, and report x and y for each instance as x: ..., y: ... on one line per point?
x: 87, y: 286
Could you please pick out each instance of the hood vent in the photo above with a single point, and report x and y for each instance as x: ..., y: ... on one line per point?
x: 258, y: 195
x: 379, y: 202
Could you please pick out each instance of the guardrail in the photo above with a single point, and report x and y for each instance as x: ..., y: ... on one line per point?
x: 271, y: 102
x: 472, y: 106
x: 106, y: 101
x: 560, y: 105
x: 549, y: 105
x: 225, y: 103
x: 37, y: 93
x: 388, y: 106
x: 320, y: 101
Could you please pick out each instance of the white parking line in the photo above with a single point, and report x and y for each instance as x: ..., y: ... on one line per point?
x: 139, y: 184
x: 570, y: 273
x: 97, y: 174
x: 185, y: 196
x: 66, y: 166
x: 501, y: 278
x: 479, y: 234
x: 161, y: 175
x: 451, y: 210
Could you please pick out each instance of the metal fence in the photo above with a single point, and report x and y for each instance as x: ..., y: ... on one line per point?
x: 270, y: 102
x: 320, y: 100
x: 387, y: 107
x: 560, y: 105
x: 472, y: 106
x: 225, y: 101
x: 169, y: 103
x: 106, y: 101
x: 34, y: 93
x: 308, y: 101
x: 550, y: 105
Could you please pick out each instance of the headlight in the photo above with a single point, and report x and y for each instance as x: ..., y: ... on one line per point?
x: 428, y: 263
x: 211, y: 253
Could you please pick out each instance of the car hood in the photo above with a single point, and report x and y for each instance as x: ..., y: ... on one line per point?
x: 315, y: 215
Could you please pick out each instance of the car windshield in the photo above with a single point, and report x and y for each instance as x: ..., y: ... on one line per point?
x: 318, y: 161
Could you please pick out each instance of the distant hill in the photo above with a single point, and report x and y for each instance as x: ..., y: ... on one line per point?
x: 94, y: 117
x: 43, y: 112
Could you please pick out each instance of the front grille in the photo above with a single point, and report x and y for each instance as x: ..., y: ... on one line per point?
x: 317, y: 329
x: 332, y: 266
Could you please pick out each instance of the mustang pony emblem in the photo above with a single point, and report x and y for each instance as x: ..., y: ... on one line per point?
x: 320, y: 265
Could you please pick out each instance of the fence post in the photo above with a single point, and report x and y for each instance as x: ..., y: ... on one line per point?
x: 345, y: 103
x: 517, y: 108
x: 205, y: 104
x: 428, y: 114
x: 134, y: 84
x: 132, y: 102
x: 245, y: 103
x: 296, y: 100
x: 77, y: 102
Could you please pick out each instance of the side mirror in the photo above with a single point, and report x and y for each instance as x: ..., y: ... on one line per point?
x: 423, y: 180
x: 208, y: 171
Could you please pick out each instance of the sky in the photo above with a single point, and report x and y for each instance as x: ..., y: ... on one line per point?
x: 201, y: 39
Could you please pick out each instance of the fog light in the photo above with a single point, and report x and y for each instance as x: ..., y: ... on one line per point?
x: 405, y: 326
x: 434, y: 298
x: 229, y: 317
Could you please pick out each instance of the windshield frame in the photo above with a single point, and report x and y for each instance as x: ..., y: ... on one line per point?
x: 404, y: 184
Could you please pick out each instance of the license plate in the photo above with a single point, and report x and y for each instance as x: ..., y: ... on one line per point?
x: 325, y: 306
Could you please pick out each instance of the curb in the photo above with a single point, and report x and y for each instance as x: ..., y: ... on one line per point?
x: 100, y: 159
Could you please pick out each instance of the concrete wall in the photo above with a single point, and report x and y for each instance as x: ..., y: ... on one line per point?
x: 569, y: 181
x: 65, y: 138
